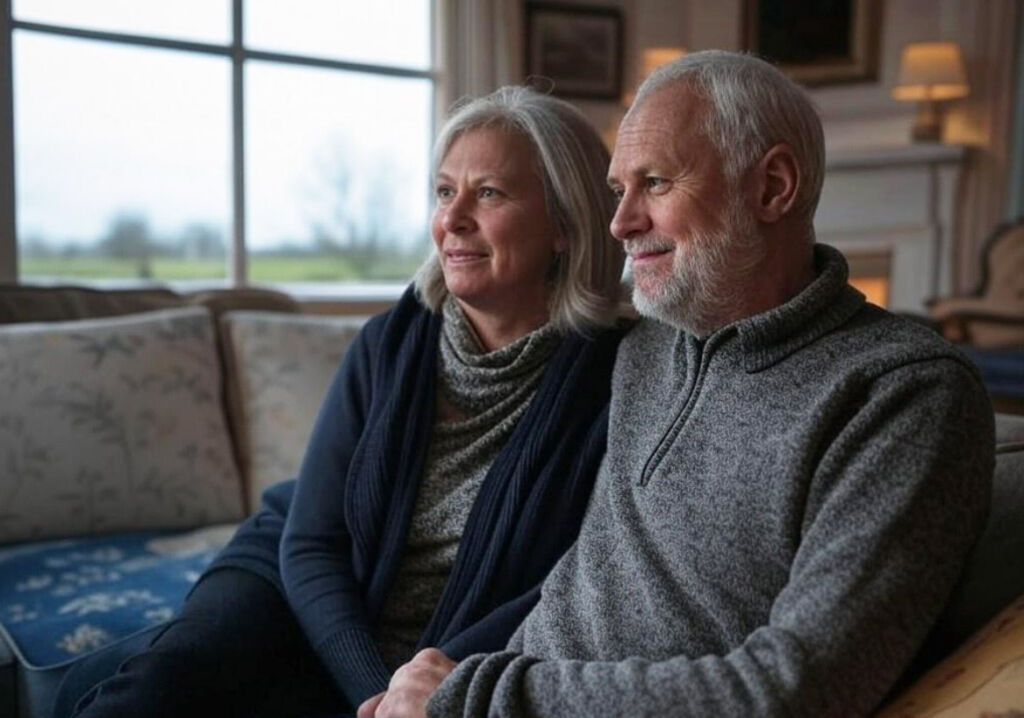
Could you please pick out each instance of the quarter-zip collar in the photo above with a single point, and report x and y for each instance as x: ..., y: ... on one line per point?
x: 825, y: 304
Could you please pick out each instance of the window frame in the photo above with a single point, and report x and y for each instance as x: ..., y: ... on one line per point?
x: 238, y: 54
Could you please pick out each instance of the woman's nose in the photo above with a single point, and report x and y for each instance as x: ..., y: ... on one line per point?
x: 631, y: 219
x: 457, y: 217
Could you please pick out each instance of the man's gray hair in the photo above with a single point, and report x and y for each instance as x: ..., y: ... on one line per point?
x: 572, y: 164
x: 751, y: 106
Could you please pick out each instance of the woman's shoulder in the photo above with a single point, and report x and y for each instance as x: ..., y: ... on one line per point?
x: 393, y: 324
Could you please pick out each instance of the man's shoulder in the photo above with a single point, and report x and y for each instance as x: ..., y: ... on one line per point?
x: 878, y: 341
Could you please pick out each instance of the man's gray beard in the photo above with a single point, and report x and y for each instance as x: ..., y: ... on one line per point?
x: 706, y: 288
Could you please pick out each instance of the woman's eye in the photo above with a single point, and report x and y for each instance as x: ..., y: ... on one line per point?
x: 618, y: 193
x: 488, y: 192
x: 443, y: 193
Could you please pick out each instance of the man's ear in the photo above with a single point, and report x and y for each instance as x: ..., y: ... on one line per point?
x: 775, y: 181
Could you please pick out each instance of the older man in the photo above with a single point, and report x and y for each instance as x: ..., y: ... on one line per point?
x: 793, y: 476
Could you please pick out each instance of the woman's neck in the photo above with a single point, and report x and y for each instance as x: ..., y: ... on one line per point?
x: 496, y: 330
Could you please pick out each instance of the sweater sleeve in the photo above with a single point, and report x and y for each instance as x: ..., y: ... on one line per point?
x: 895, y: 503
x: 316, y: 556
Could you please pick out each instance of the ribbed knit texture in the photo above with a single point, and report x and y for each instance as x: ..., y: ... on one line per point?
x: 481, y: 397
x: 356, y: 650
x: 781, y: 513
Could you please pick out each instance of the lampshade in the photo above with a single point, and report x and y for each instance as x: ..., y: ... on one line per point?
x: 931, y: 71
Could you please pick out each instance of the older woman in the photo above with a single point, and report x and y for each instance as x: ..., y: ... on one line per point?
x: 452, y: 458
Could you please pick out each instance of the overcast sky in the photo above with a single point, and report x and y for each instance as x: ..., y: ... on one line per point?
x: 102, y: 129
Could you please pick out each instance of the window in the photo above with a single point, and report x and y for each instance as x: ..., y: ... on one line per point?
x: 202, y: 142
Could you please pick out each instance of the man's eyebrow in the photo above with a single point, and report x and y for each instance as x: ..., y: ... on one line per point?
x: 632, y: 172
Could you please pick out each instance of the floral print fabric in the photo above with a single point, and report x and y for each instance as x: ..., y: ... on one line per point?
x: 283, y: 364
x: 113, y: 425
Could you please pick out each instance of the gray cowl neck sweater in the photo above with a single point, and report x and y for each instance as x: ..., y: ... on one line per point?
x: 481, y: 397
x: 781, y: 513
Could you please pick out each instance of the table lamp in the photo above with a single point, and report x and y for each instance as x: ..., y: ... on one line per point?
x: 930, y: 72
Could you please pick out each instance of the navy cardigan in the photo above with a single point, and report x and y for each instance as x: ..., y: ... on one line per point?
x: 350, y: 509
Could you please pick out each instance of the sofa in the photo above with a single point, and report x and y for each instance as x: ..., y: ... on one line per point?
x: 221, y: 389
x: 137, y: 428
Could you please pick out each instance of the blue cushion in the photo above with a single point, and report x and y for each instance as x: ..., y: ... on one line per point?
x: 60, y: 600
x: 1001, y: 369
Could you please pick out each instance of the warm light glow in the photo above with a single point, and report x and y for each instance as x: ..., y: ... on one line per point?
x: 876, y: 289
x: 931, y: 71
x: 651, y: 59
x: 655, y: 57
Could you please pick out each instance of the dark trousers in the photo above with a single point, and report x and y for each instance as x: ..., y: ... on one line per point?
x: 235, y: 650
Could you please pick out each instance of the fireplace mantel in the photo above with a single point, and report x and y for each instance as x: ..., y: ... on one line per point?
x: 897, y: 201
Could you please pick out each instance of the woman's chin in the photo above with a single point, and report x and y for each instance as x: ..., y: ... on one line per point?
x: 466, y: 296
x: 466, y: 282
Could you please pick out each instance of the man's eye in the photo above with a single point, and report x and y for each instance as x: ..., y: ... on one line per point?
x: 443, y: 193
x: 618, y: 193
x: 488, y: 192
x: 654, y: 182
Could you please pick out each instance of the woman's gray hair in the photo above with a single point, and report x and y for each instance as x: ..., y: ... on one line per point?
x: 752, y: 106
x: 572, y: 163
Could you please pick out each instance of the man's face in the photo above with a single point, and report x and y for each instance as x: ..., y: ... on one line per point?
x: 686, y: 228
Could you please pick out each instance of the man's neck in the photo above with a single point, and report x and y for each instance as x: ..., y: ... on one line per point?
x: 786, y: 270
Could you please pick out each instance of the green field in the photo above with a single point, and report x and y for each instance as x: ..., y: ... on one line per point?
x: 261, y: 268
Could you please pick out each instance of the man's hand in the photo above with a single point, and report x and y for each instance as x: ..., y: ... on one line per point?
x: 368, y: 707
x: 410, y: 687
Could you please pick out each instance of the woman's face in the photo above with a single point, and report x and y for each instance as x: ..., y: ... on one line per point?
x: 491, y: 227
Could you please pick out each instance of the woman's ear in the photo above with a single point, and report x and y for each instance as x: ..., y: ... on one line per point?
x: 775, y: 181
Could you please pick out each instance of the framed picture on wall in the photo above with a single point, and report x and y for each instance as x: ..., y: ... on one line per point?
x: 816, y: 43
x: 577, y: 48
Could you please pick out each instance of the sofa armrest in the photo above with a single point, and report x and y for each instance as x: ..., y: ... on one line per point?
x: 984, y: 677
x: 8, y: 680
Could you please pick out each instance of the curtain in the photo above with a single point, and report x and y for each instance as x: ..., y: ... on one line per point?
x: 480, y: 47
x: 983, y: 121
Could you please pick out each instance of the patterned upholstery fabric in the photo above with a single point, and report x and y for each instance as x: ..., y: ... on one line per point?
x: 111, y: 425
x: 992, y: 317
x: 282, y: 365
x: 62, y: 599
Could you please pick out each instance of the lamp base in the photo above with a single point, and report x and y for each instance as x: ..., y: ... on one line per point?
x: 927, y: 123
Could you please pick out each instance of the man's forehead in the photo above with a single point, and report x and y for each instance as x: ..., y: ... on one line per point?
x: 656, y: 127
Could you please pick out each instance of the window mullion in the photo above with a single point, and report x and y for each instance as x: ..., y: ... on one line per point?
x: 8, y: 228
x: 238, y: 271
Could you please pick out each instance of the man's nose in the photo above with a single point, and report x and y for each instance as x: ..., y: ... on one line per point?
x: 631, y: 218
x: 458, y: 215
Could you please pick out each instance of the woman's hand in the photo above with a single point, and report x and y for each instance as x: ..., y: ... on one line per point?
x: 410, y: 687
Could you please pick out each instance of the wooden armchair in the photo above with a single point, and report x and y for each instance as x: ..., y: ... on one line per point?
x: 988, y: 324
x: 992, y: 317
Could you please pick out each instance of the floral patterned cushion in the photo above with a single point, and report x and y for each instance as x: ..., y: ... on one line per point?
x: 113, y: 425
x: 282, y: 364
x: 62, y: 599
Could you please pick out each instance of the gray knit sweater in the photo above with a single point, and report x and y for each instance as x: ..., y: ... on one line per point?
x: 782, y: 511
x: 481, y: 397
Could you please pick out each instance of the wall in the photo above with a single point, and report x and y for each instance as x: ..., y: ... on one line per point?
x: 854, y: 116
x: 863, y: 120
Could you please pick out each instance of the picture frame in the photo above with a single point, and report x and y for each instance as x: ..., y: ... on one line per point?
x: 576, y: 50
x: 816, y: 44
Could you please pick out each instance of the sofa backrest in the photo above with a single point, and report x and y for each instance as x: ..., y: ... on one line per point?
x: 280, y: 366
x: 994, y: 574
x: 114, y: 424
x: 31, y: 303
